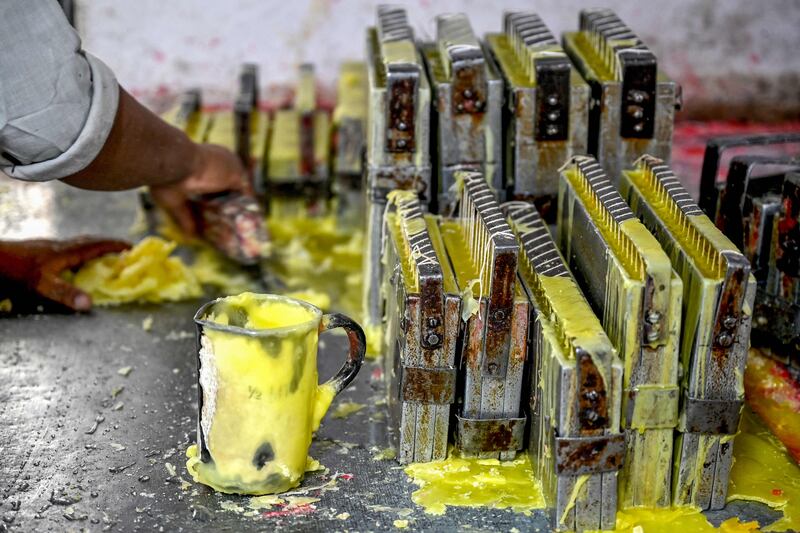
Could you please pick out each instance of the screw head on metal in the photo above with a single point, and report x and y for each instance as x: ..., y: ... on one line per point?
x: 638, y: 126
x: 432, y: 339
x: 637, y: 112
x: 401, y: 143
x: 492, y: 368
x: 729, y: 322
x: 637, y: 96
x: 402, y: 126
x: 499, y: 315
x: 725, y: 340
x: 552, y: 129
x: 433, y: 322
x: 552, y: 99
x: 552, y: 116
x: 653, y: 316
x: 590, y: 395
x: 460, y: 107
x: 467, y: 93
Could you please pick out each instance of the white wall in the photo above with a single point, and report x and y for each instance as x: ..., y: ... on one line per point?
x: 734, y: 52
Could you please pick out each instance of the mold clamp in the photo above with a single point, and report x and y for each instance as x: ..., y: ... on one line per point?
x: 718, y: 293
x: 349, y: 126
x: 757, y: 210
x: 398, y: 129
x: 422, y: 330
x: 251, y: 126
x: 629, y: 281
x: 298, y: 153
x: 547, y: 107
x: 467, y: 109
x: 495, y: 313
x: 576, y: 385
x: 633, y: 105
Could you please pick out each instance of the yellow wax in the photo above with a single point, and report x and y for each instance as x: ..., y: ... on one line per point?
x: 261, y: 400
x: 763, y: 472
x: 145, y: 273
x: 461, y: 482
x: 676, y: 519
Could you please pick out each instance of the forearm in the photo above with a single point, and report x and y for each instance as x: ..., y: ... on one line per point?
x: 141, y: 149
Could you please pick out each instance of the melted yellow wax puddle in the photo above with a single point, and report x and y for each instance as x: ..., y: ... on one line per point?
x: 679, y: 519
x: 461, y: 482
x: 764, y: 472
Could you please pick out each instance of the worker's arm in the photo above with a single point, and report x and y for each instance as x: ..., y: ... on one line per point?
x: 64, y: 116
x: 142, y: 149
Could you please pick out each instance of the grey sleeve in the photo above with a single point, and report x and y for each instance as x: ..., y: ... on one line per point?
x: 57, y: 102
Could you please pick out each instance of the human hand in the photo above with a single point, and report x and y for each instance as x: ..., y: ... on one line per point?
x: 38, y: 264
x: 215, y: 169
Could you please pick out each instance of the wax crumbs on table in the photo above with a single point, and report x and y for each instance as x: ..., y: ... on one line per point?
x: 147, y: 323
x: 312, y: 465
x: 461, y: 482
x: 265, y: 502
x: 345, y: 409
x: 400, y: 524
x: 145, y: 273
x: 125, y: 371
x: 386, y: 454
x: 343, y: 516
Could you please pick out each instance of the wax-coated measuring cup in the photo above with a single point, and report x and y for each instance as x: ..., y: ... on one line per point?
x: 259, y: 400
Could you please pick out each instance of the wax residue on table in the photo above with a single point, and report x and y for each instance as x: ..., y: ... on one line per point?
x: 774, y: 394
x: 679, y: 519
x: 317, y: 255
x: 461, y: 482
x: 763, y: 471
x: 345, y: 409
x: 145, y: 273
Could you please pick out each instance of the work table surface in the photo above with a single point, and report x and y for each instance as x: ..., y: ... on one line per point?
x: 84, y: 446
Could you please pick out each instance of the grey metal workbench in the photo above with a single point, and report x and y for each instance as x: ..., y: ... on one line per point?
x: 58, y: 373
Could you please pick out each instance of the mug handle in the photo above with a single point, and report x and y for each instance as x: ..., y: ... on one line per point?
x: 358, y: 347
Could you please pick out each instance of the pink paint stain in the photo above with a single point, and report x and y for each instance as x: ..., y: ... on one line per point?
x: 346, y: 477
x: 159, y: 56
